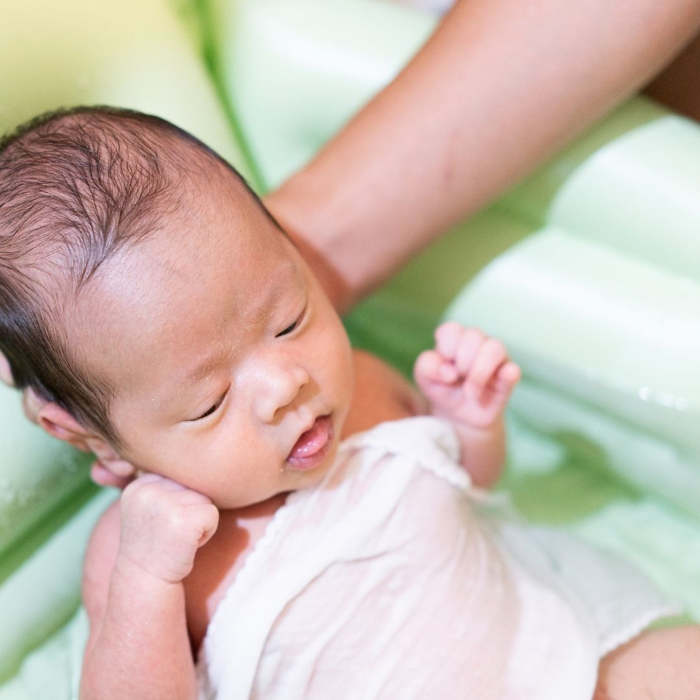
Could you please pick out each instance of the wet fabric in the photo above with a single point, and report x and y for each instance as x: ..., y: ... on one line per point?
x: 395, y: 577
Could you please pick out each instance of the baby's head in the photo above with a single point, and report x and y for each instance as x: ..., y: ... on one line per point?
x: 147, y: 294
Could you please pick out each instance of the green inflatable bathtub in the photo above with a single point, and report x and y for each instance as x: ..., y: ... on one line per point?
x: 588, y: 271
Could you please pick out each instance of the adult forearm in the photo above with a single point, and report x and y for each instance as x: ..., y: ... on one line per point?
x: 678, y: 85
x: 141, y: 649
x: 498, y: 88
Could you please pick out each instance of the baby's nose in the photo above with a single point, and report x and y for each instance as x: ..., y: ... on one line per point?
x: 279, y: 388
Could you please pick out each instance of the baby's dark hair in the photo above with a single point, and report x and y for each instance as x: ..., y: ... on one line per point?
x: 76, y: 186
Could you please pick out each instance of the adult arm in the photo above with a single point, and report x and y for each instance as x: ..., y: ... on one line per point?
x: 499, y: 87
x: 678, y: 85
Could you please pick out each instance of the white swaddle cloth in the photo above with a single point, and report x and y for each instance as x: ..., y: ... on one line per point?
x: 395, y: 578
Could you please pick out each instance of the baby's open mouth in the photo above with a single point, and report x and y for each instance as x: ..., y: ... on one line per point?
x: 312, y: 445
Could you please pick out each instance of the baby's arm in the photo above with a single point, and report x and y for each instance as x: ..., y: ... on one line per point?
x: 138, y: 645
x: 468, y: 379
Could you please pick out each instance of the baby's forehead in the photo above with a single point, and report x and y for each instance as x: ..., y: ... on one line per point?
x: 188, y: 278
x: 149, y: 348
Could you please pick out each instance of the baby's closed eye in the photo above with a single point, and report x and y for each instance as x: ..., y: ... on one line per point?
x: 294, y: 325
x: 213, y: 408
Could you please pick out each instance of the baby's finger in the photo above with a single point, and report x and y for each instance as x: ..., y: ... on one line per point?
x: 208, y: 515
x: 509, y: 374
x: 177, y: 492
x: 469, y: 347
x: 504, y: 381
x: 447, y: 338
x: 163, y: 482
x: 432, y: 367
x: 5, y: 371
x: 491, y: 355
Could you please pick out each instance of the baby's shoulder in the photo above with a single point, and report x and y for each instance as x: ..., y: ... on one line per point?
x: 218, y: 562
x: 381, y: 394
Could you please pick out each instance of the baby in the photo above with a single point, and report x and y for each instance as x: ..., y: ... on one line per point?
x: 302, y: 523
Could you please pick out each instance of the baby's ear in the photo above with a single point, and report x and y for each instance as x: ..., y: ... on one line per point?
x: 58, y: 422
x: 62, y: 425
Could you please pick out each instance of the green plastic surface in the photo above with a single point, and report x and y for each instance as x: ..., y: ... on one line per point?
x: 134, y: 53
x: 587, y: 270
x: 38, y: 474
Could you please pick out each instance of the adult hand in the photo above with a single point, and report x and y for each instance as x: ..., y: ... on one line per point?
x: 31, y: 401
x: 5, y: 371
x: 104, y: 477
x: 32, y: 404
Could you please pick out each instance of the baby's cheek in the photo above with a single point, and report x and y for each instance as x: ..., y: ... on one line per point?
x: 344, y: 369
x: 331, y: 351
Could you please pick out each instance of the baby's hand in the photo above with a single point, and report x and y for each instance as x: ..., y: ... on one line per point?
x: 468, y: 377
x: 163, y: 524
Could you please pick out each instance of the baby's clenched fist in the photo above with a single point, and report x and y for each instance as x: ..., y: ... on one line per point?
x: 163, y: 524
x: 468, y: 377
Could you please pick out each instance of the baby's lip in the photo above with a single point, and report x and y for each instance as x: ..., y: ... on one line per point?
x: 312, y: 444
x: 308, y: 424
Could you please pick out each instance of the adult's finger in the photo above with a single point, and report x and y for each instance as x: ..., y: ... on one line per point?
x: 5, y: 371
x: 32, y: 404
x: 104, y: 477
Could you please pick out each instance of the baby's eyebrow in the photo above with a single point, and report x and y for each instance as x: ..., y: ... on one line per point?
x: 213, y: 361
x: 204, y: 368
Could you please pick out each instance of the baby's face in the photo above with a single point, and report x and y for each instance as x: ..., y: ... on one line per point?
x: 224, y: 351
